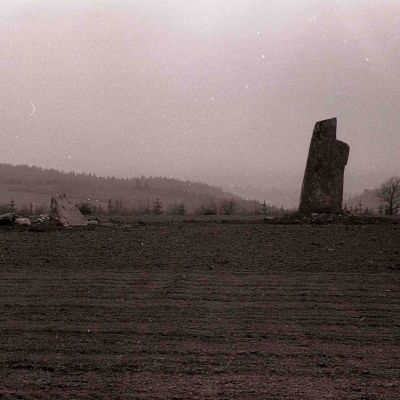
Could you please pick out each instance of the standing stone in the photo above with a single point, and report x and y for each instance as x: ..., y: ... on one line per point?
x: 322, y: 190
x: 65, y: 213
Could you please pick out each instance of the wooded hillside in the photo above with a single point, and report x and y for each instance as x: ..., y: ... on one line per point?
x: 27, y: 185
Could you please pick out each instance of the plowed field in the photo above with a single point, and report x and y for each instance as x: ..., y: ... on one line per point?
x: 201, y: 311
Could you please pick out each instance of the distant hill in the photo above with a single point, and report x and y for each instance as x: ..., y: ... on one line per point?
x: 283, y: 187
x: 27, y: 185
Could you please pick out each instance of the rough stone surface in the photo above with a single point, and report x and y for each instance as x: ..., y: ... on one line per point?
x: 322, y: 189
x: 65, y: 213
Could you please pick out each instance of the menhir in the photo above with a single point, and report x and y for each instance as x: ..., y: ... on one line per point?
x: 322, y: 190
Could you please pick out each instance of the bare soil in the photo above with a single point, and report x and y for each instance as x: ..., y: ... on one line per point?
x: 201, y: 310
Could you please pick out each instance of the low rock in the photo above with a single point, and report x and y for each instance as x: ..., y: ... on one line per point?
x: 7, y: 219
x: 23, y: 221
x: 42, y: 219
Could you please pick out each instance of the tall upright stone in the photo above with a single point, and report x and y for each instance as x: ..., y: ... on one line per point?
x: 322, y: 189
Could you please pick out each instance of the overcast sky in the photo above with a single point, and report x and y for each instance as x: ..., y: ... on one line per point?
x: 197, y: 89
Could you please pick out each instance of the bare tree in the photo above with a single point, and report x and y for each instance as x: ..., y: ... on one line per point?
x: 389, y: 193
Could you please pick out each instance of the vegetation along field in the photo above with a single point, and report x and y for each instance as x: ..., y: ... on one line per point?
x: 200, y: 310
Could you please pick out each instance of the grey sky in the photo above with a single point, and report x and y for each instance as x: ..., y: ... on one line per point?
x: 197, y: 89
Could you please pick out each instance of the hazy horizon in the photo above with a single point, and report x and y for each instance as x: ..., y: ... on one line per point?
x: 199, y: 90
